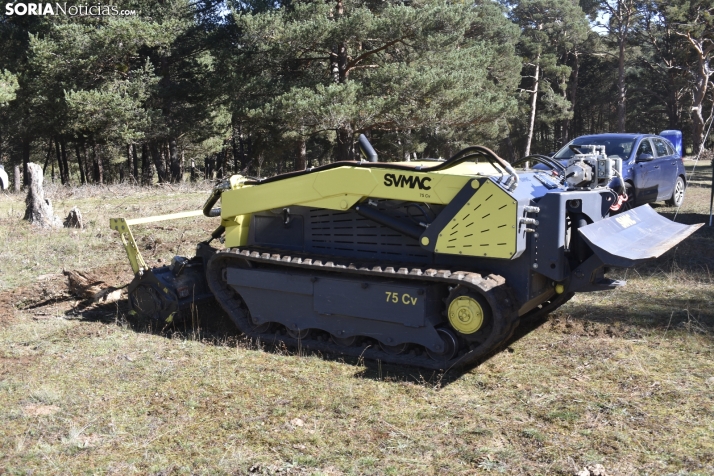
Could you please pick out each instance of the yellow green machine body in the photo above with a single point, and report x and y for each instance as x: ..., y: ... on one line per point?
x: 431, y: 263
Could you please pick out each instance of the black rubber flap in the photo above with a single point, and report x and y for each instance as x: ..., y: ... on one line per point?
x: 634, y: 236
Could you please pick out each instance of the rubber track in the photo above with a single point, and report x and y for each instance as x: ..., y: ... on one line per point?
x: 492, y: 287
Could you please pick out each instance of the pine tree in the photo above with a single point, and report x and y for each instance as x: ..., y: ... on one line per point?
x: 622, y: 16
x: 550, y: 30
x: 8, y: 87
x: 349, y: 67
x: 693, y: 22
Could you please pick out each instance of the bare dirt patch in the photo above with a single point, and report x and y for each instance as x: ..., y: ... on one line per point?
x: 13, y: 365
x: 40, y: 410
x: 33, y: 297
x: 49, y: 296
x: 565, y: 324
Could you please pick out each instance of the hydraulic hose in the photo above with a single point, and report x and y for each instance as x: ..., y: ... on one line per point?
x: 488, y: 154
x: 208, y: 209
x: 542, y: 159
x: 461, y: 156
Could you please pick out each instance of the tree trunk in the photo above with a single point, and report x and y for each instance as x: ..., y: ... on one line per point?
x: 301, y: 158
x: 47, y: 158
x: 623, y: 15
x: 223, y: 162
x: 135, y: 162
x: 82, y: 174
x: 147, y: 177
x: 18, y: 179
x: 340, y: 75
x: 65, y: 162
x: 158, y: 161
x: 534, y: 99
x: 236, y: 151
x: 699, y: 92
x: 98, y: 165
x: 129, y: 161
x: 39, y: 209
x: 672, y: 101
x: 344, y: 144
x: 565, y: 132
x: 621, y: 88
x: 59, y: 162
x: 509, y: 145
x: 241, y: 150
x: 26, y: 142
x: 174, y: 161
x: 219, y: 169
x: 88, y: 165
x: 209, y: 166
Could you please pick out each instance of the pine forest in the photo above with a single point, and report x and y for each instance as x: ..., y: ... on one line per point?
x: 164, y: 91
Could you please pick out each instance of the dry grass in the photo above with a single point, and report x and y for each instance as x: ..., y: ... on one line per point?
x: 28, y: 253
x: 624, y: 379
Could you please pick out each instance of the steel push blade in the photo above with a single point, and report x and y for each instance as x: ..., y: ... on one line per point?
x: 632, y: 237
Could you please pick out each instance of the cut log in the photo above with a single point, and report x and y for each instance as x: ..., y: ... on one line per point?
x: 74, y: 219
x: 83, y: 285
x: 39, y: 209
x: 86, y: 286
x: 110, y: 294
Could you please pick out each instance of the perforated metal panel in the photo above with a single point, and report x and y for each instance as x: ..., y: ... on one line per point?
x: 350, y: 234
x: 485, y: 226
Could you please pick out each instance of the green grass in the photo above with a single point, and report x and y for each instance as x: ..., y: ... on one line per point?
x: 625, y: 378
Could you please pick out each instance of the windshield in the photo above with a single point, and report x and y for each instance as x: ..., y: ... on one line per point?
x: 619, y: 146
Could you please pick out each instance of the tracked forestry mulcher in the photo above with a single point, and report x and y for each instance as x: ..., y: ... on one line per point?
x: 430, y: 263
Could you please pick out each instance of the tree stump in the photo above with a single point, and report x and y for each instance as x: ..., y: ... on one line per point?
x: 39, y: 209
x: 74, y: 219
x: 18, y: 179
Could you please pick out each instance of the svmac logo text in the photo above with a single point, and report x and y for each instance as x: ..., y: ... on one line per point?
x: 21, y: 9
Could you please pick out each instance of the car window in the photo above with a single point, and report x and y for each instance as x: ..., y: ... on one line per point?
x: 661, y: 148
x: 621, y: 147
x: 670, y: 150
x: 645, y: 148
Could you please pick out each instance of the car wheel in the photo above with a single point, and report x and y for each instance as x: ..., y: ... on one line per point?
x: 677, y: 194
x: 630, y: 203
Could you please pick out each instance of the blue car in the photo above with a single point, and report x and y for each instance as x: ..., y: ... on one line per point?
x: 652, y: 168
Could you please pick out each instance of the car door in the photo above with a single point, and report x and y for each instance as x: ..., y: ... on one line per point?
x: 645, y: 174
x: 667, y: 164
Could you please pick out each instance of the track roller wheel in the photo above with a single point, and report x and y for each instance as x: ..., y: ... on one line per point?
x: 260, y: 327
x: 299, y: 334
x: 450, y: 346
x: 469, y: 314
x: 394, y: 349
x: 344, y: 341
